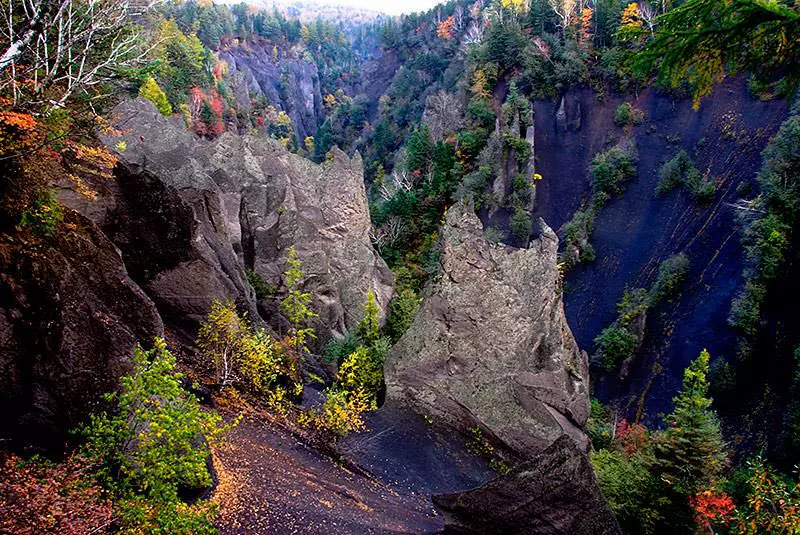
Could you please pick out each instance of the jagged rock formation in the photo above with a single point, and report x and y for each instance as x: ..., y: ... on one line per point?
x: 70, y: 317
x: 291, y: 85
x: 490, y: 345
x: 236, y: 202
x: 553, y: 494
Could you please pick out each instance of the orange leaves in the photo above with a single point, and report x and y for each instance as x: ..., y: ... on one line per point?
x: 219, y: 70
x: 206, y: 111
x: 712, y: 508
x: 19, y: 132
x: 23, y: 122
x: 633, y: 437
x: 585, y: 30
x: 39, y: 498
x: 330, y: 102
x: 480, y: 84
x: 445, y: 28
x: 85, y: 161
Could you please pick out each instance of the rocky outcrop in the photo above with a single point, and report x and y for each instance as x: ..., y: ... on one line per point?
x: 490, y: 345
x: 236, y: 202
x: 70, y: 317
x: 168, y: 218
x: 553, y: 494
x: 291, y: 85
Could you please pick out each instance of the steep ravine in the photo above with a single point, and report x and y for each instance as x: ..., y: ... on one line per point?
x: 188, y: 215
x: 634, y: 233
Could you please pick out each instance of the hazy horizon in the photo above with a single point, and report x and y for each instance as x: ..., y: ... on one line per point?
x: 390, y: 8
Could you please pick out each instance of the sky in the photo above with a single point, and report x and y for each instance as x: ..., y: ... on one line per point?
x: 395, y: 7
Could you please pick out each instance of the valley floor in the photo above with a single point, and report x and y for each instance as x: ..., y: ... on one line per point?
x: 271, y: 483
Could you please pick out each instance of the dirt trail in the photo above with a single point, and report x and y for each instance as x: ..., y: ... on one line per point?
x: 271, y: 483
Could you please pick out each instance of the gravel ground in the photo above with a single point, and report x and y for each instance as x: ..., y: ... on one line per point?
x: 271, y: 483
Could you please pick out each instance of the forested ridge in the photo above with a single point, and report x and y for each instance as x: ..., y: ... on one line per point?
x: 438, y: 110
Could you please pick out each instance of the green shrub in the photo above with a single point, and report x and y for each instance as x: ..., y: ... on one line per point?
x: 260, y: 286
x: 615, y: 343
x: 362, y: 370
x: 690, y: 453
x: 611, y: 170
x: 599, y: 426
x: 650, y: 478
x: 402, y: 309
x: 626, y: 114
x: 745, y: 314
x: 587, y: 255
x: 699, y: 188
x: 632, y: 305
x: 154, y: 443
x: 338, y: 348
x: 520, y: 224
x: 680, y: 170
x: 522, y: 185
x: 519, y: 145
x: 672, y: 274
x: 576, y: 238
x: 342, y: 412
x: 297, y: 304
x: 671, y: 175
x: 494, y: 235
x: 480, y: 110
x: 245, y: 356
x: 369, y: 328
x: 152, y: 92
x: 44, y: 216
x: 630, y: 488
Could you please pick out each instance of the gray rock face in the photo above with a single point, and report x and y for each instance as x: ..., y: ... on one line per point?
x: 490, y: 345
x: 291, y: 85
x: 70, y: 318
x: 249, y: 201
x: 553, y: 494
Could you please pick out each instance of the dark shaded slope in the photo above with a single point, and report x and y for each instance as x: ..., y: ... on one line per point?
x: 635, y: 233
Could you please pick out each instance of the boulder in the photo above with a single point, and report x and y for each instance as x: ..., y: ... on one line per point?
x: 70, y: 317
x: 555, y: 493
x: 490, y: 346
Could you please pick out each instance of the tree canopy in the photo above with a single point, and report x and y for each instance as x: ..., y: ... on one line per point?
x: 703, y: 40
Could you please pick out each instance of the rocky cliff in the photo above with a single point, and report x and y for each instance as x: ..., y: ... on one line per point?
x: 490, y: 346
x: 553, y: 494
x: 289, y: 84
x: 636, y: 231
x: 206, y: 210
x: 70, y: 317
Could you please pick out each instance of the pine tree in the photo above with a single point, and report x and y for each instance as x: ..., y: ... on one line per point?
x: 418, y: 151
x: 369, y: 328
x: 152, y: 92
x: 690, y: 453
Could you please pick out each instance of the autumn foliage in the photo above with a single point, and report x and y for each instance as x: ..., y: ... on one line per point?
x: 40, y: 497
x: 206, y: 112
x: 712, y: 508
x: 445, y: 28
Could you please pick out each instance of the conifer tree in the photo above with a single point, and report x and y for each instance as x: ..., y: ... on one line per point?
x: 691, y: 452
x: 369, y: 329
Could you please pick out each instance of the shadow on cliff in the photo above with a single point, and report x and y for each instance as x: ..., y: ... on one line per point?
x: 637, y: 231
